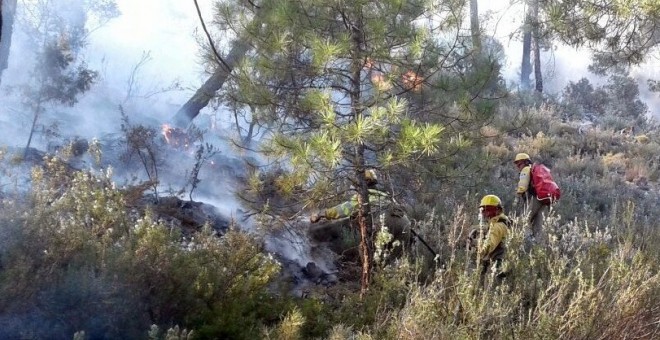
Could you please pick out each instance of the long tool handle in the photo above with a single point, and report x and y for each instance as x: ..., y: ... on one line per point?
x: 424, y: 242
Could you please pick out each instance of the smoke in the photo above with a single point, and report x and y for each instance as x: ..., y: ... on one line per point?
x: 154, y: 88
x: 650, y: 70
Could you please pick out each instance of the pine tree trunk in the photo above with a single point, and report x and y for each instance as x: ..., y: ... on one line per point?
x: 7, y: 13
x: 366, y: 228
x: 207, y: 91
x: 37, y: 112
x: 474, y: 27
x: 526, y: 66
x: 366, y: 242
x: 538, y: 75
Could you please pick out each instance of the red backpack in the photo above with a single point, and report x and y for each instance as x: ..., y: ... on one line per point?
x: 547, y: 190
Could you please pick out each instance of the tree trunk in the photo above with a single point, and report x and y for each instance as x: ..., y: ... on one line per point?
x: 526, y: 66
x: 363, y: 211
x: 474, y: 27
x: 364, y: 223
x: 37, y: 112
x: 538, y: 75
x: 7, y: 13
x: 207, y: 91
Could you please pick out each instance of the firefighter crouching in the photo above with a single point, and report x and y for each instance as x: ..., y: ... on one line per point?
x: 491, y: 249
x: 396, y: 220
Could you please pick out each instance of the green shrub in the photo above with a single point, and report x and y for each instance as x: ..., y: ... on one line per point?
x: 79, y: 260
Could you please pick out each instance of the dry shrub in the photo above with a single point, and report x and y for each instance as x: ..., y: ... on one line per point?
x: 597, y: 142
x: 593, y: 141
x: 498, y: 151
x: 615, y: 162
x: 637, y: 170
x: 289, y: 328
x: 342, y: 332
x: 543, y: 147
x: 582, y: 286
x: 541, y: 142
x: 528, y: 121
x: 562, y: 129
x: 642, y: 139
x: 618, y: 139
x: 580, y: 166
x: 489, y: 131
x: 649, y: 150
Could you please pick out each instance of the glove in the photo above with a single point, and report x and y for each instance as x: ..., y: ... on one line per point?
x: 315, y: 217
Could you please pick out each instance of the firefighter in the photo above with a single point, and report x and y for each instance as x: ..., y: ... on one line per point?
x: 346, y: 209
x: 396, y: 220
x: 492, y: 249
x: 525, y: 192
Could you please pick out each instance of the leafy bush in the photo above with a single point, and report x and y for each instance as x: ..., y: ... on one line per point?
x: 80, y: 261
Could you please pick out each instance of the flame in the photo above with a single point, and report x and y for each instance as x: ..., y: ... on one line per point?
x: 176, y: 137
x: 381, y: 82
x: 368, y: 63
x: 412, y: 81
x: 167, y: 133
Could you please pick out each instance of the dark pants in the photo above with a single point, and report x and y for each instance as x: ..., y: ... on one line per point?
x: 486, y: 268
x: 537, y: 214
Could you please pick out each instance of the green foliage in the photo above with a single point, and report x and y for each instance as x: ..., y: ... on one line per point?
x: 581, y: 97
x: 59, y: 75
x: 142, y: 146
x: 79, y: 245
x: 342, y: 101
x: 619, y: 41
x: 204, y: 153
x: 616, y: 103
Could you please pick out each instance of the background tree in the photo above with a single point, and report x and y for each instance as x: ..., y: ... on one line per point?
x: 526, y: 65
x: 616, y: 103
x: 536, y: 36
x: 59, y: 75
x: 223, y: 65
x: 619, y: 33
x: 532, y: 40
x: 56, y: 79
x: 7, y: 13
x: 474, y: 26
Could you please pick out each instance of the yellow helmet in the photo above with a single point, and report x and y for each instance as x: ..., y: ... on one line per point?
x: 521, y: 156
x: 370, y: 175
x: 490, y: 201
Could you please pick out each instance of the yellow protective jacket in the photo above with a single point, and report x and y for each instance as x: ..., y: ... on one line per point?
x: 377, y: 199
x: 493, y: 247
x: 524, y: 181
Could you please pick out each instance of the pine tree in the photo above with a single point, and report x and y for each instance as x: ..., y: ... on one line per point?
x: 59, y: 33
x: 332, y: 80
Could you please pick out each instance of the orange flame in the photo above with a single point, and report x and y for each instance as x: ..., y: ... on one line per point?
x: 381, y: 82
x: 167, y: 133
x: 368, y: 63
x: 412, y: 81
x: 176, y: 137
